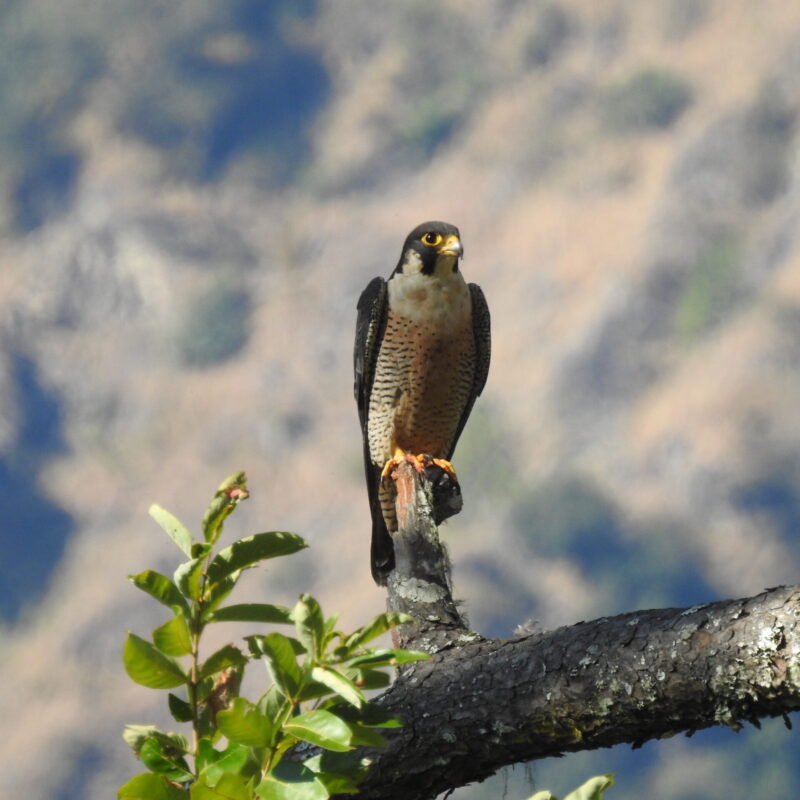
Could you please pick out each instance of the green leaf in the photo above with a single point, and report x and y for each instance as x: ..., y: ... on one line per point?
x: 339, y: 684
x: 204, y: 689
x: 310, y: 624
x: 207, y: 721
x: 256, y: 643
x: 218, y: 591
x: 336, y: 783
x: 311, y: 690
x: 230, y: 493
x: 252, y: 612
x: 291, y: 781
x: 227, y: 656
x: 173, y: 637
x: 321, y: 728
x: 252, y: 549
x: 340, y: 772
x: 150, y: 667
x: 216, y: 763
x: 390, y: 657
x: 376, y: 716
x: 188, y: 576
x: 245, y: 724
x: 181, y: 711
x: 174, y: 527
x: 207, y: 754
x: 370, y: 715
x: 593, y: 788
x: 137, y: 735
x: 281, y: 661
x: 330, y: 632
x: 273, y: 703
x: 150, y: 787
x: 363, y: 736
x: 380, y: 625
x: 200, y: 549
x: 160, y: 587
x: 160, y: 759
x: 367, y: 679
x: 227, y: 787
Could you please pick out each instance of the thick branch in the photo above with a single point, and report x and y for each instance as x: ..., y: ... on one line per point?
x: 479, y: 704
x: 420, y: 583
x: 475, y: 708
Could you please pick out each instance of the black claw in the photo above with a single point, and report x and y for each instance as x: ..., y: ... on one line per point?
x: 446, y: 490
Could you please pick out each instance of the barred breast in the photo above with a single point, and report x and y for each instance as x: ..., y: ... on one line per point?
x: 424, y: 376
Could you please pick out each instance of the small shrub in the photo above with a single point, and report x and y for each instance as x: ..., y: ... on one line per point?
x: 569, y: 516
x: 215, y: 325
x: 710, y: 289
x: 229, y: 81
x: 236, y: 748
x: 769, y: 128
x: 632, y: 563
x: 549, y: 35
x: 431, y: 124
x: 648, y: 99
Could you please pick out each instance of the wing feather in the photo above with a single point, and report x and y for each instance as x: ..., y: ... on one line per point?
x: 370, y: 326
x: 370, y: 323
x: 481, y: 330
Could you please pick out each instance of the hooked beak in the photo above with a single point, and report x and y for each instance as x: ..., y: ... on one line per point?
x: 452, y: 247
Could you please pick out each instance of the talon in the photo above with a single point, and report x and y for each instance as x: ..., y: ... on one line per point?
x: 445, y: 466
x: 389, y: 467
x: 429, y: 461
x: 419, y: 462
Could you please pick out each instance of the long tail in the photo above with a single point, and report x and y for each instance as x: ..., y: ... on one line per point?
x: 382, y: 549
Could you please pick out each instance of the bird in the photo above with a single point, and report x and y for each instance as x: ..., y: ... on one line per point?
x: 421, y: 358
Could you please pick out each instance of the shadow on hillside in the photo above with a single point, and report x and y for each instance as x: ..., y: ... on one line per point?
x: 35, y: 529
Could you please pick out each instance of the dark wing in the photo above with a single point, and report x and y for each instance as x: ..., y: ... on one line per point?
x: 370, y: 325
x: 370, y: 322
x: 481, y: 330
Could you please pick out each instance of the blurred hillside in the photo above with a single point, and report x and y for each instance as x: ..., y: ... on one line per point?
x: 193, y: 195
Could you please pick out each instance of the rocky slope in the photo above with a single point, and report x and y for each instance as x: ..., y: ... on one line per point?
x: 177, y: 299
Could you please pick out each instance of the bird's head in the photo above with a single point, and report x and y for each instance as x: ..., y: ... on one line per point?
x: 432, y: 248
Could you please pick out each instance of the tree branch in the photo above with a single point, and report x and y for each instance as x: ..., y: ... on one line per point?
x: 420, y: 585
x: 480, y: 704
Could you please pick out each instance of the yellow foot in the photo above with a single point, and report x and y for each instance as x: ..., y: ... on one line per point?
x: 420, y: 463
x: 390, y: 465
x: 416, y: 461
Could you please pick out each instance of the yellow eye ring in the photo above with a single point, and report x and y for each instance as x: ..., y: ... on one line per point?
x: 431, y: 239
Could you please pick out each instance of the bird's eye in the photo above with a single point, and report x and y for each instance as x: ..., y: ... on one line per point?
x: 432, y: 239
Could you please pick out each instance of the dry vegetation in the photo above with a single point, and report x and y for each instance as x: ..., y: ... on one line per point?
x: 639, y: 426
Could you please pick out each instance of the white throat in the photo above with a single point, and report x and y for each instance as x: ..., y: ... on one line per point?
x: 441, y: 299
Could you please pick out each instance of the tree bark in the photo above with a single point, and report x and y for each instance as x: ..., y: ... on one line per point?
x: 480, y: 704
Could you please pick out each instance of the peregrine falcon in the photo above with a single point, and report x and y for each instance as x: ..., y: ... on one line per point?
x: 421, y: 358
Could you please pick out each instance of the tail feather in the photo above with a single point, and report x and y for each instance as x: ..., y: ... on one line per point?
x: 381, y: 504
x: 382, y: 550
